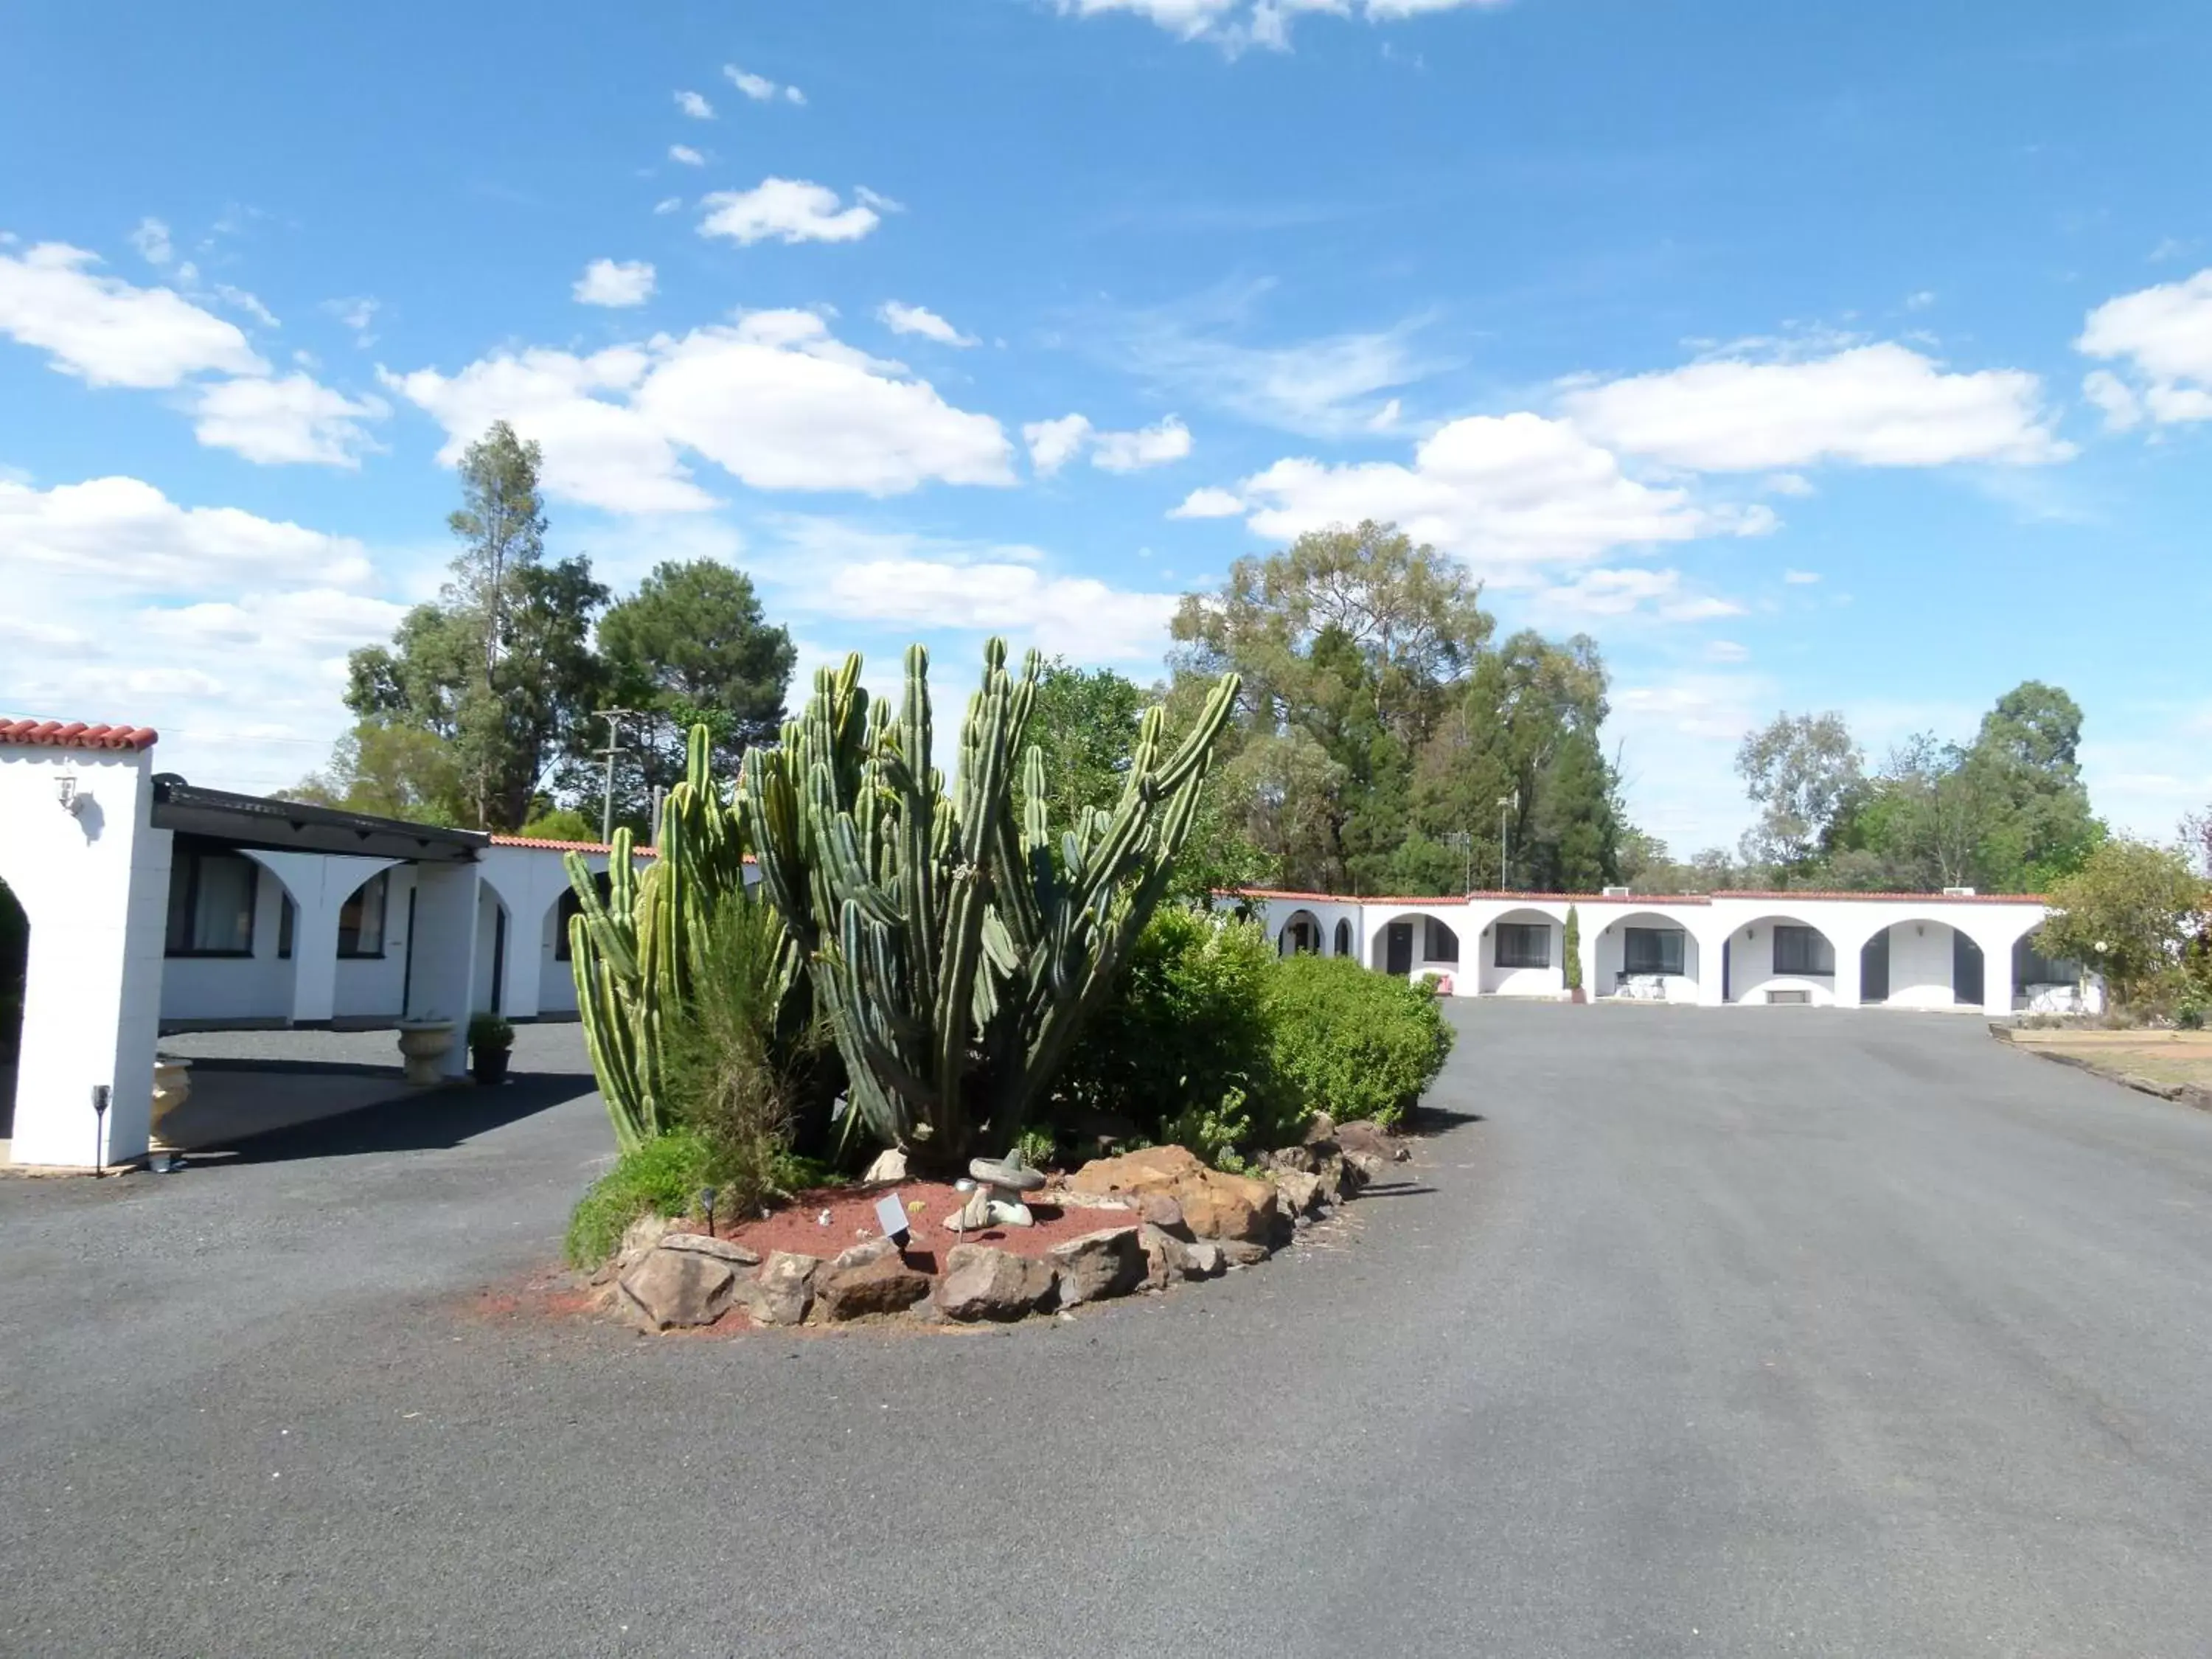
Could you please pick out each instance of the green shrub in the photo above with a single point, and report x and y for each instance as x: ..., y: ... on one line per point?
x: 1185, y: 1036
x: 660, y: 1176
x: 1570, y: 949
x: 1348, y: 1042
x: 490, y: 1032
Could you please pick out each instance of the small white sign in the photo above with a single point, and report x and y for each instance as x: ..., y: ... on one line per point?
x: 890, y: 1216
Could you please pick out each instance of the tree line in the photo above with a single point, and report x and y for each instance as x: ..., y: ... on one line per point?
x: 1386, y: 740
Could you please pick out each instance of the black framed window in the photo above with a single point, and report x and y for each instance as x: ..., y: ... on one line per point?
x: 2031, y: 967
x: 1652, y: 950
x: 1343, y: 938
x: 1803, y: 951
x: 287, y: 919
x: 1442, y: 944
x: 1524, y: 944
x: 211, y: 904
x: 361, y: 919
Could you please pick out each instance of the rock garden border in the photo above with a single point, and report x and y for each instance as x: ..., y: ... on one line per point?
x: 1162, y: 1217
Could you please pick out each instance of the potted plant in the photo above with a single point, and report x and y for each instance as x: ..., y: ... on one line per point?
x: 1571, y: 948
x: 489, y: 1039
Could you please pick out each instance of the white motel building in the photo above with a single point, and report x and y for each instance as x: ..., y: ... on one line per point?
x: 154, y: 906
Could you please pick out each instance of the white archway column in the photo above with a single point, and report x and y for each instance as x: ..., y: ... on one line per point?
x: 320, y: 884
x: 93, y: 884
x: 1712, y: 953
x: 444, y: 951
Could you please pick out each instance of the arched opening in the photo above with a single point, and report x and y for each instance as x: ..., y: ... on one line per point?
x: 1523, y: 953
x: 1412, y: 945
x: 1921, y: 963
x: 1645, y: 957
x: 1779, y: 959
x: 14, y: 980
x: 1343, y: 937
x: 1301, y: 935
x: 488, y: 995
x: 2047, y: 985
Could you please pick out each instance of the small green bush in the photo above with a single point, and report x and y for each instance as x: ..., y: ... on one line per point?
x: 490, y: 1032
x: 662, y: 1176
x: 1348, y: 1042
x: 1185, y: 1038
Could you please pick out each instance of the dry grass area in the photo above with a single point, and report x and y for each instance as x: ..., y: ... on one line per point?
x: 2170, y: 1058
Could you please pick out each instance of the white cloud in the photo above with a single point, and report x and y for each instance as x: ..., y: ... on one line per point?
x: 1726, y: 650
x: 238, y: 300
x: 1790, y: 484
x: 759, y: 87
x: 2162, y: 337
x: 774, y: 399
x: 151, y: 238
x: 1801, y: 578
x: 695, y: 105
x: 1131, y: 452
x: 610, y: 283
x: 325, y: 617
x: 1633, y: 591
x: 787, y: 210
x: 1921, y: 300
x: 1209, y: 502
x: 357, y: 313
x: 124, y: 532
x: 668, y: 204
x: 1075, y: 615
x: 277, y: 422
x: 2110, y: 393
x: 1504, y: 491
x: 1325, y: 387
x: 903, y: 319
x: 1237, y: 24
x: 686, y: 157
x: 106, y: 331
x: 1876, y: 405
x: 1055, y: 443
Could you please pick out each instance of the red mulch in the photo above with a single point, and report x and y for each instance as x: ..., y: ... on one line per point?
x: 851, y: 1212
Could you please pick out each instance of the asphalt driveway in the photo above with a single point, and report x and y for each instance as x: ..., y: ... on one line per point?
x: 1741, y: 1331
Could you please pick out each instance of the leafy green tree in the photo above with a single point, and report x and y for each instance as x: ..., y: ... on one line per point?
x: 2129, y: 912
x: 1084, y: 723
x: 1574, y: 833
x: 392, y: 771
x: 500, y: 671
x: 1803, y: 770
x: 691, y: 646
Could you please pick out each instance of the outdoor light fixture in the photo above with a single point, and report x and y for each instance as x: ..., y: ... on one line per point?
x: 101, y: 1095
x: 65, y: 790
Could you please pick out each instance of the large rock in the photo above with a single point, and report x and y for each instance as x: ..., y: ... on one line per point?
x: 890, y: 1165
x: 1364, y: 1136
x: 984, y: 1282
x: 872, y: 1249
x: 672, y: 1288
x: 784, y: 1291
x: 1241, y: 1252
x: 1202, y: 1260
x: 1167, y: 1258
x: 1297, y: 1192
x: 1214, y: 1205
x: 885, y: 1285
x: 720, y: 1249
x: 1362, y: 1168
x: 1110, y: 1262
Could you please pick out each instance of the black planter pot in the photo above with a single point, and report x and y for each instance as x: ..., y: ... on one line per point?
x: 488, y: 1065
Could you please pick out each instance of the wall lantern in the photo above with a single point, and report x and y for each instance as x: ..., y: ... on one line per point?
x: 1921, y: 928
x: 66, y: 791
x: 1750, y: 932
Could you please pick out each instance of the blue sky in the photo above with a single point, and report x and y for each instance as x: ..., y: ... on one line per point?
x: 1840, y: 357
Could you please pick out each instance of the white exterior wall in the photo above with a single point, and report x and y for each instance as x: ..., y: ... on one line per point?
x: 1734, y: 932
x: 95, y: 887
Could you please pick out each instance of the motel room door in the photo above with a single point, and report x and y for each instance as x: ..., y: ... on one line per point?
x: 1398, y: 948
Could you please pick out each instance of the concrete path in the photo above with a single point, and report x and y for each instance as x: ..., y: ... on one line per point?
x: 1754, y: 1332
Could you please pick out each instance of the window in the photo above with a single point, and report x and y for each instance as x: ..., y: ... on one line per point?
x: 1524, y: 944
x: 211, y: 904
x: 1442, y: 944
x: 570, y: 906
x: 2031, y: 967
x: 1343, y: 938
x: 285, y: 926
x: 361, y: 918
x: 1803, y: 951
x: 1652, y: 950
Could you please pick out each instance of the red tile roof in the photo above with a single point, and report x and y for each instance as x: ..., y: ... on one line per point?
x: 75, y: 734
x: 1782, y: 898
x: 544, y: 845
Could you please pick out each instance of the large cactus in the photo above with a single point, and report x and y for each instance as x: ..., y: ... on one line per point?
x: 635, y: 955
x: 955, y: 956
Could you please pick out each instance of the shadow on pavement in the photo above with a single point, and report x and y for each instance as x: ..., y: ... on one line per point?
x: 435, y: 1118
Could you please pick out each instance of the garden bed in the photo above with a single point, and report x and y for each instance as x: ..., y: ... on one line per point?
x: 832, y: 1219
x: 2171, y: 1065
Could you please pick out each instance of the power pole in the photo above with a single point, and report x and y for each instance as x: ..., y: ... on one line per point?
x: 1505, y: 802
x: 614, y: 718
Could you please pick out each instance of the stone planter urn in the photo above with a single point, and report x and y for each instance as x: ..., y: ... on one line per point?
x: 173, y: 1087
x: 423, y: 1046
